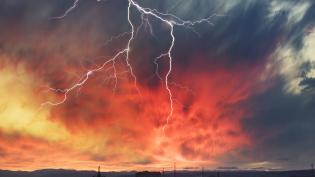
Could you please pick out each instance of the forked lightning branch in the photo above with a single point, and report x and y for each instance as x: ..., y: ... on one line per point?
x: 168, y: 19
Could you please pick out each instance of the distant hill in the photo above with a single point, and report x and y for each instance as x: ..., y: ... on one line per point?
x: 61, y: 173
x: 75, y: 173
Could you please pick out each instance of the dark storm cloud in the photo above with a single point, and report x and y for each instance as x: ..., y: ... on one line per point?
x: 283, y: 128
x: 245, y: 33
x: 309, y: 84
x: 242, y: 34
x: 30, y: 34
x: 282, y: 125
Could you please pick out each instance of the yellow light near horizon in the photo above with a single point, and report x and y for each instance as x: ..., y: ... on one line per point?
x: 19, y: 108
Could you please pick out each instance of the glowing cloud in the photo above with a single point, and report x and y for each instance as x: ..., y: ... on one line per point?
x: 19, y: 112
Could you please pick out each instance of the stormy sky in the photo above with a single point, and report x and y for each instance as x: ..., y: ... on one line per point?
x: 238, y: 91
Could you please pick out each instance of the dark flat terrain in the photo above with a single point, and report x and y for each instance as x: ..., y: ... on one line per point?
x: 74, y: 173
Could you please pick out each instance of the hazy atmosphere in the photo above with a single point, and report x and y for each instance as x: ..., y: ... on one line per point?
x: 143, y: 84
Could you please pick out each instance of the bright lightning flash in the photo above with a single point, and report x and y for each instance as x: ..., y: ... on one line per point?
x: 169, y: 19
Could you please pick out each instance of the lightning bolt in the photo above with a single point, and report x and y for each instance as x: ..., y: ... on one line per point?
x: 74, y: 5
x: 85, y: 78
x: 169, y: 19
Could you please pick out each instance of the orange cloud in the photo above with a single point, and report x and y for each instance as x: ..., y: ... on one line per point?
x: 118, y: 129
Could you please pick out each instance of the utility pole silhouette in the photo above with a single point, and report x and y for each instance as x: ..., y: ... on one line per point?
x: 99, y: 171
x: 202, y: 172
x: 174, y: 172
x: 312, y: 165
x: 218, y: 174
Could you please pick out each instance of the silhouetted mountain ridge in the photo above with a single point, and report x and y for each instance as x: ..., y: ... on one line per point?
x: 220, y: 173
